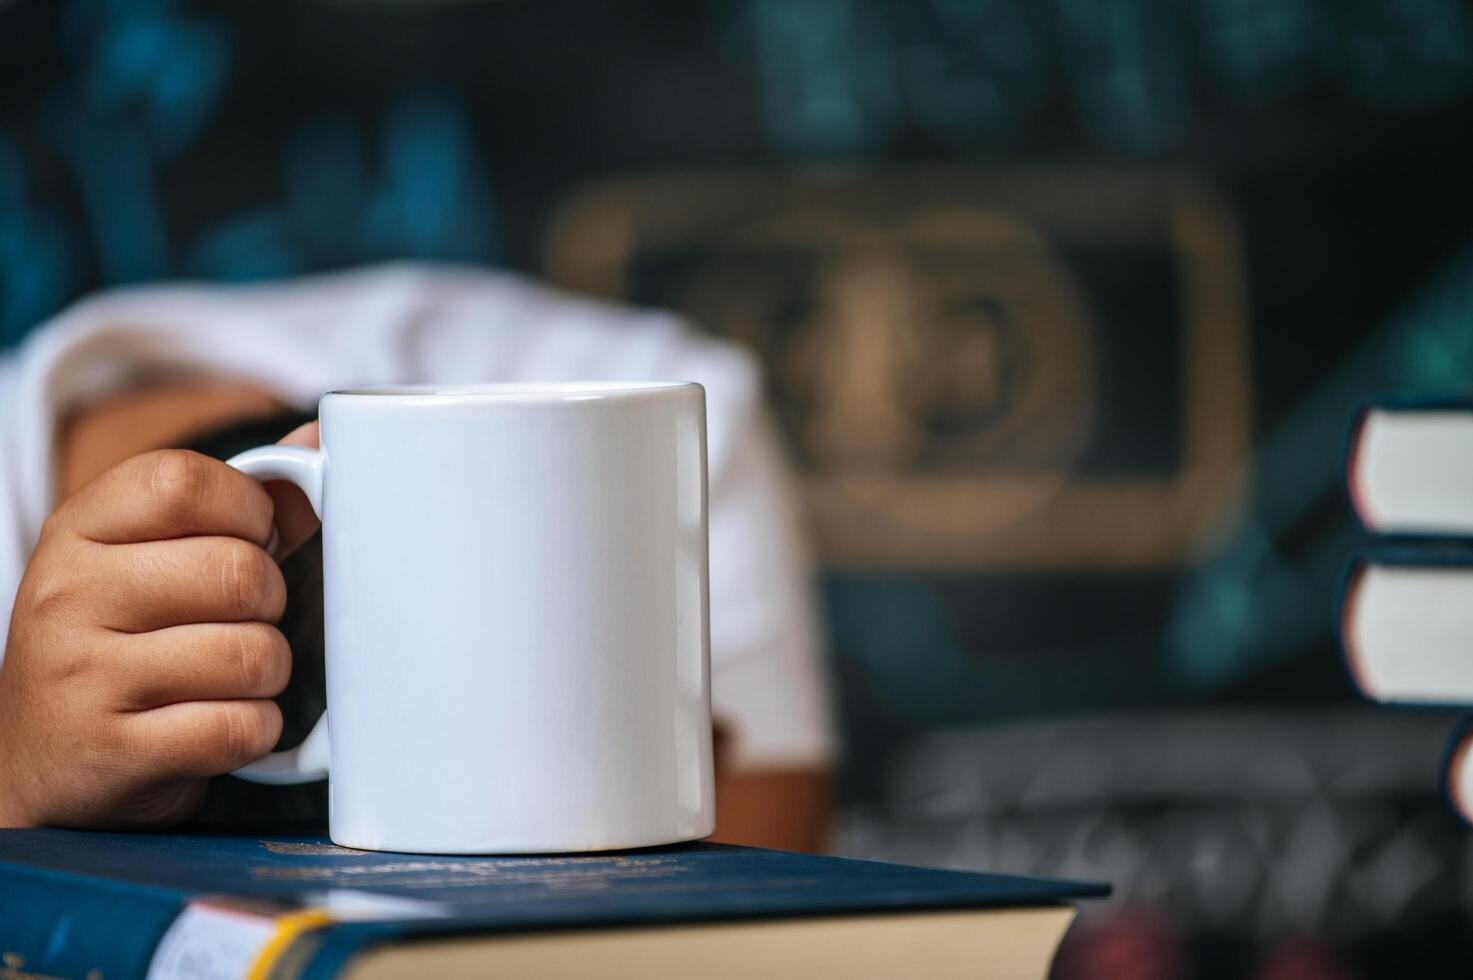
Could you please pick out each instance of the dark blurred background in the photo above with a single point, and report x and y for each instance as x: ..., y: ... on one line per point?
x: 1064, y: 307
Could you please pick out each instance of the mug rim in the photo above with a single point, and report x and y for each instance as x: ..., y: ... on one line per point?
x: 515, y: 390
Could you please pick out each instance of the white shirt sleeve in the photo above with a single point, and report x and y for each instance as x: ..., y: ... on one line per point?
x: 405, y: 323
x: 767, y: 682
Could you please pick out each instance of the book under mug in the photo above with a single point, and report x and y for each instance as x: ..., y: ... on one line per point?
x: 168, y: 906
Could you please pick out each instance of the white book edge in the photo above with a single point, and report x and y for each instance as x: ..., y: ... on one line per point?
x: 1458, y: 778
x: 1410, y: 471
x: 1407, y: 633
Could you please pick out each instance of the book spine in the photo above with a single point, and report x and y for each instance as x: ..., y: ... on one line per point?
x: 63, y: 926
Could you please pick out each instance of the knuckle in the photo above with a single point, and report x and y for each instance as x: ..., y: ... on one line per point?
x: 80, y: 659
x: 179, y: 479
x: 51, y: 528
x: 48, y: 591
x: 247, y: 730
x: 246, y: 579
x: 264, y: 660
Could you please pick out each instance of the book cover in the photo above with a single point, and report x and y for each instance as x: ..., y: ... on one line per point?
x: 72, y: 901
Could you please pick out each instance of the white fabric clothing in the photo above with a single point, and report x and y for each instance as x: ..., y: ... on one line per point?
x: 406, y: 323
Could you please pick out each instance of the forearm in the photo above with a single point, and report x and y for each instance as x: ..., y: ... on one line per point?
x: 783, y: 809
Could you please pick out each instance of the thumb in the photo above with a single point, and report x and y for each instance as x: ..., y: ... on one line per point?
x: 295, y: 521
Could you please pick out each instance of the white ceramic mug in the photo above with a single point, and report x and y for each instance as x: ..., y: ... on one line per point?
x: 516, y: 616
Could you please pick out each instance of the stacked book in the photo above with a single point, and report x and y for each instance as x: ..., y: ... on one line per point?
x: 1406, y: 621
x: 168, y: 907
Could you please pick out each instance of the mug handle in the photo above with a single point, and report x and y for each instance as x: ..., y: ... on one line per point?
x: 307, y: 763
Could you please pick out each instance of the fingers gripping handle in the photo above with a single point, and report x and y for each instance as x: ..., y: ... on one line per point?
x: 293, y: 464
x: 307, y: 762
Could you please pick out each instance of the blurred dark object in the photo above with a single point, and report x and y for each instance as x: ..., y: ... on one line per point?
x: 1064, y: 307
x: 1239, y: 842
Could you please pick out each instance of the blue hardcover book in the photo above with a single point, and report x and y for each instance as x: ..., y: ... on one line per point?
x: 78, y: 904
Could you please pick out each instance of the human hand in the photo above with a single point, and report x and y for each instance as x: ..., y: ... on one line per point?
x: 142, y: 655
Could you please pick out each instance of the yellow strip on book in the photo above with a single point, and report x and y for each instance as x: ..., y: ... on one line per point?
x: 210, y: 939
x: 288, y: 928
